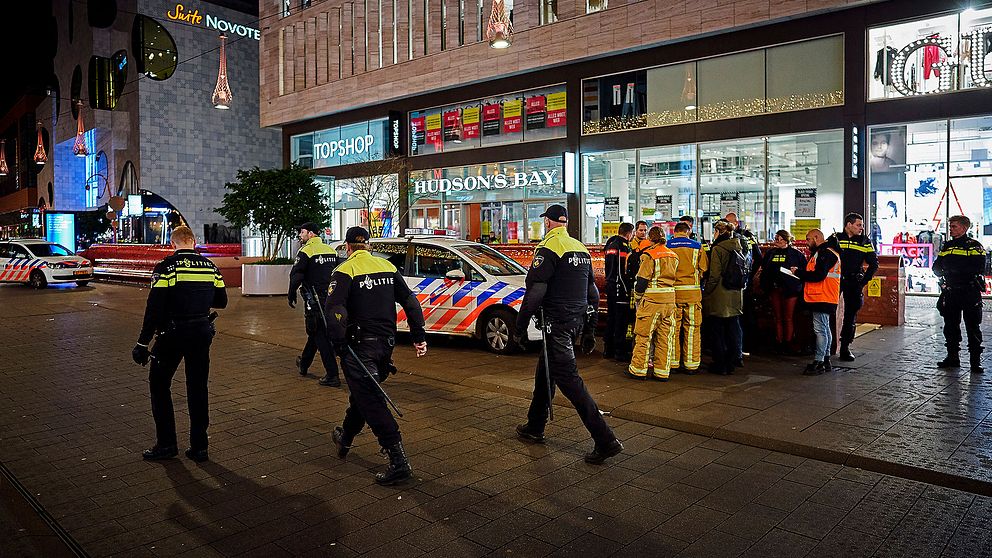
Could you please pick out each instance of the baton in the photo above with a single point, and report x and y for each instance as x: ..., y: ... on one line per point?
x: 547, y: 366
x: 374, y: 380
x: 312, y: 291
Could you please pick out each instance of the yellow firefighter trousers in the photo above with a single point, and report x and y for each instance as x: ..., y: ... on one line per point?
x: 655, y: 334
x: 687, y: 319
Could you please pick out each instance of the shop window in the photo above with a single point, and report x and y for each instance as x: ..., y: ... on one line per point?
x: 805, y: 182
x: 101, y: 13
x: 107, y: 77
x: 548, y: 12
x: 732, y: 86
x: 667, y: 184
x: 671, y: 95
x: 614, y: 103
x: 154, y: 49
x: 610, y: 193
x: 806, y: 75
x: 434, y: 262
x: 595, y: 6
x: 529, y: 116
x: 76, y: 90
x: 732, y: 180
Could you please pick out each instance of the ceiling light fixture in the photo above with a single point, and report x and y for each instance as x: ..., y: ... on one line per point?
x: 499, y: 30
x: 222, y: 92
x: 79, y: 146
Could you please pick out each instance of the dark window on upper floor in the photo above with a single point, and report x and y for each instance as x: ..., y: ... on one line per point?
x: 101, y: 13
x: 154, y: 49
x: 107, y: 77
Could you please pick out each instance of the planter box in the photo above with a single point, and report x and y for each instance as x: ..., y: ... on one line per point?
x: 265, y: 279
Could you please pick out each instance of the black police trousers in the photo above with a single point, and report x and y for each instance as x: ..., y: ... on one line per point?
x: 366, y: 403
x: 852, y: 292
x: 317, y: 341
x: 565, y: 376
x: 958, y: 302
x: 189, y: 342
x: 617, y: 319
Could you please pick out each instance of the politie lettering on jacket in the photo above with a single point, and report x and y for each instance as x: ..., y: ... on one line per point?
x: 369, y: 282
x: 577, y: 260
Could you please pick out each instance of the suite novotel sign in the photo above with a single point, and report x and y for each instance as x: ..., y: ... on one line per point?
x: 486, y: 182
x: 182, y: 13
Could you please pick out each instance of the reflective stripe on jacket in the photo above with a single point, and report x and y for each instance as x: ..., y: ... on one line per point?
x: 826, y: 291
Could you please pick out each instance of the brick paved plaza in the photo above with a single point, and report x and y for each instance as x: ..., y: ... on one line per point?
x: 889, y: 458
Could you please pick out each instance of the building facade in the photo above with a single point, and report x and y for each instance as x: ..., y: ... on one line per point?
x: 788, y: 114
x: 141, y: 74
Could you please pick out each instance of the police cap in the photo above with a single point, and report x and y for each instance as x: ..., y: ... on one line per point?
x: 356, y: 235
x: 556, y: 213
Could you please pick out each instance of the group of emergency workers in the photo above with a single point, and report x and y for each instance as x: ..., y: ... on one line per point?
x: 658, y: 291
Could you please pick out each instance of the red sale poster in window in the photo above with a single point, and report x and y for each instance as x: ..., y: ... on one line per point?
x: 470, y: 122
x: 434, y: 130
x: 512, y: 116
x: 556, y: 109
x: 535, y: 112
x: 490, y: 119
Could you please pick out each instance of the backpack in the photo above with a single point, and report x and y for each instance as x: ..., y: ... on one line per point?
x: 737, y: 271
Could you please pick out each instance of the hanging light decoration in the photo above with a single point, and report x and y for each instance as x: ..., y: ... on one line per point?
x: 79, y: 146
x: 222, y: 92
x: 3, y: 157
x: 500, y: 28
x: 40, y: 157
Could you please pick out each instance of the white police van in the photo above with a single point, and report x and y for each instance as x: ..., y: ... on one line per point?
x: 38, y: 262
x: 465, y: 288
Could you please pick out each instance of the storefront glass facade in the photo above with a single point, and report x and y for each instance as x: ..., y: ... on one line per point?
x: 920, y: 174
x: 494, y: 202
x: 361, y: 142
x: 793, y: 182
x: 930, y: 55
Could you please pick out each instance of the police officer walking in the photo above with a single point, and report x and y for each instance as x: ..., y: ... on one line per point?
x: 960, y: 266
x: 310, y: 276
x: 618, y: 288
x: 858, y: 264
x: 361, y: 314
x: 185, y: 286
x: 560, y: 285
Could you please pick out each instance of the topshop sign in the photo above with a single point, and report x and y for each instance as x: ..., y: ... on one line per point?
x: 486, y: 182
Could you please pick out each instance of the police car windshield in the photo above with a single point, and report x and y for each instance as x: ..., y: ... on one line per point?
x: 47, y: 250
x: 493, y: 262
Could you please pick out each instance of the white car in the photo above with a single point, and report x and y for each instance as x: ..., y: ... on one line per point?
x: 465, y: 288
x: 38, y: 262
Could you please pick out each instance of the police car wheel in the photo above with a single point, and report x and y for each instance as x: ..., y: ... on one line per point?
x: 38, y: 280
x: 497, y: 331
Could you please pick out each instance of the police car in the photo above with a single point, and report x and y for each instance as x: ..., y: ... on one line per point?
x: 465, y: 288
x: 38, y: 262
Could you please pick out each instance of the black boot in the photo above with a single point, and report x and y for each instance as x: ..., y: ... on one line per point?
x: 399, y: 468
x: 342, y: 441
x: 976, y: 363
x: 950, y: 361
x: 299, y: 368
x: 845, y: 353
x: 329, y: 381
x: 827, y: 367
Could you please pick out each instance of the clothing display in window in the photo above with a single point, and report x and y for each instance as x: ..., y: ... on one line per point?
x: 932, y: 56
x: 884, y: 60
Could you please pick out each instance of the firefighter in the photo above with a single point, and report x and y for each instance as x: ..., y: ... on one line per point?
x: 960, y: 266
x: 310, y: 276
x: 560, y: 284
x: 654, y: 296
x: 185, y: 286
x: 858, y: 264
x: 617, y: 249
x: 638, y: 245
x: 688, y: 317
x: 361, y: 322
x: 640, y: 240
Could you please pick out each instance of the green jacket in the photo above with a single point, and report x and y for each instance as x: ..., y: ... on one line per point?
x: 717, y: 300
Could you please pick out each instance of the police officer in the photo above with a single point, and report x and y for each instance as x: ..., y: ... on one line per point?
x: 560, y: 282
x: 361, y: 321
x: 856, y: 252
x: 310, y: 276
x: 960, y: 266
x: 616, y: 251
x: 185, y: 286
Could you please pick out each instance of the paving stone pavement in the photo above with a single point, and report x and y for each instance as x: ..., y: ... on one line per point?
x: 74, y: 416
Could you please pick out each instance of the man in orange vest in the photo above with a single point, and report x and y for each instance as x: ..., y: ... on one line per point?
x: 821, y: 291
x: 654, y: 291
x: 693, y: 263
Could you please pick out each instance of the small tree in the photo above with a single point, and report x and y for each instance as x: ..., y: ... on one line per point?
x: 274, y: 201
x: 378, y: 188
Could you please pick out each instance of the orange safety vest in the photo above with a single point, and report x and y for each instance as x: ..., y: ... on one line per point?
x: 828, y: 290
